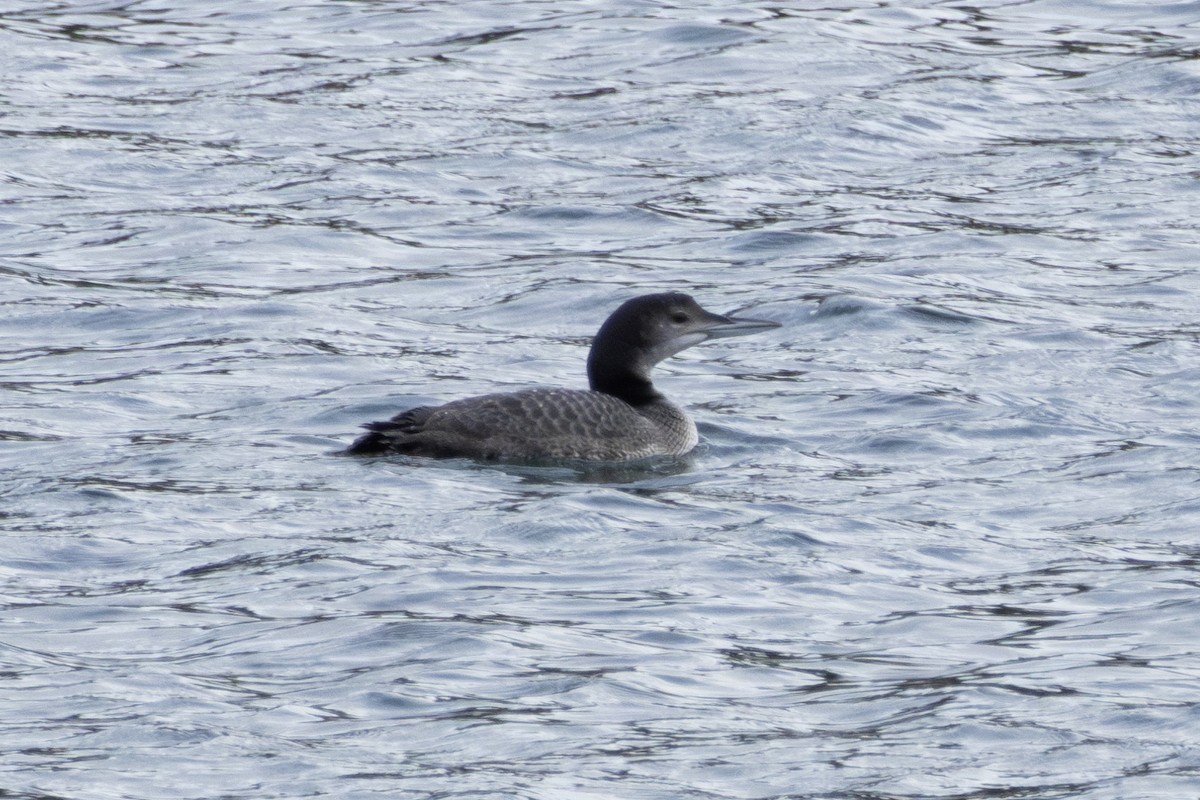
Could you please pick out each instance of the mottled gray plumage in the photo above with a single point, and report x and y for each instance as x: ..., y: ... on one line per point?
x: 538, y: 423
x: 622, y: 416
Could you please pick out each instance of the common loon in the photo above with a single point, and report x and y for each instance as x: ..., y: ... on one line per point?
x: 623, y: 417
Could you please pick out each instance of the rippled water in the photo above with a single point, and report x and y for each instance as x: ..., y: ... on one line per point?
x: 940, y: 540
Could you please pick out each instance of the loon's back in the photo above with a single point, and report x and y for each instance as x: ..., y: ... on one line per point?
x: 535, y: 424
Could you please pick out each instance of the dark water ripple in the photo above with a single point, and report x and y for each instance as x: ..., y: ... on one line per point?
x: 940, y: 540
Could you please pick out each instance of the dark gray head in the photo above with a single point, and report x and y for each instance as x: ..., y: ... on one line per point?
x: 647, y: 329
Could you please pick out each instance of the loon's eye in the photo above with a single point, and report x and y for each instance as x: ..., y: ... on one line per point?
x: 679, y: 317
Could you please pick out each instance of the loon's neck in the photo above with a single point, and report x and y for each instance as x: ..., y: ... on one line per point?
x: 623, y: 384
x: 628, y: 380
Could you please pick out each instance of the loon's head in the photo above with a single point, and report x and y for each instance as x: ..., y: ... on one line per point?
x: 647, y: 329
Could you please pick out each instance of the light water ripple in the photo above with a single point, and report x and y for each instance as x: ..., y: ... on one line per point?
x: 939, y: 540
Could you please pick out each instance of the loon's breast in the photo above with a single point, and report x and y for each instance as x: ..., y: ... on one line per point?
x: 535, y: 424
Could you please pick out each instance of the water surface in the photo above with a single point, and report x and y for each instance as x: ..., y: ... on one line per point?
x: 939, y: 540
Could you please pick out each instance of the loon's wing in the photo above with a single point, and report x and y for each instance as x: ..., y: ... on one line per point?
x: 530, y: 424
